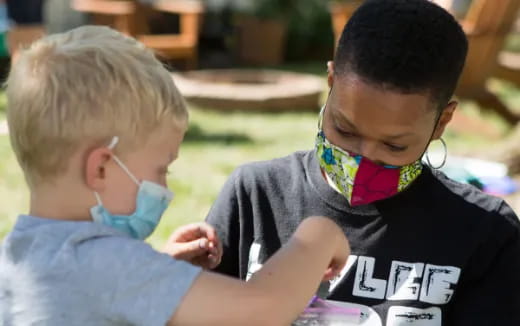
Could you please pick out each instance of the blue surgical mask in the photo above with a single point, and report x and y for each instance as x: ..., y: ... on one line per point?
x: 152, y: 200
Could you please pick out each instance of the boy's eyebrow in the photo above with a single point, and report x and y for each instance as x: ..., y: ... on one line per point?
x: 344, y: 120
x: 402, y: 135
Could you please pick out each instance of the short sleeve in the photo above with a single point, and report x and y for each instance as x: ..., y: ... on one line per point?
x: 224, y: 216
x: 130, y: 282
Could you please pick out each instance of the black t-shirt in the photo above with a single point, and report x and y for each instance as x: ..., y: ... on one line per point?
x: 439, y: 253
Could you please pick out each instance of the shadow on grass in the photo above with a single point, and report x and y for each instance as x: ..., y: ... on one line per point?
x: 195, y: 134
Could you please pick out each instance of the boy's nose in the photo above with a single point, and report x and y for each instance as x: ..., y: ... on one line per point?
x: 368, y: 149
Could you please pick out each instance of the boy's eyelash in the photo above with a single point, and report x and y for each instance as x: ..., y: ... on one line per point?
x: 395, y: 148
x: 346, y: 133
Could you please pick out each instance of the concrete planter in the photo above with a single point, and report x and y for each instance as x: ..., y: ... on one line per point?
x: 251, y: 90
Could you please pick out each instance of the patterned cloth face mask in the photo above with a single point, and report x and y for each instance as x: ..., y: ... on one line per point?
x: 359, y: 179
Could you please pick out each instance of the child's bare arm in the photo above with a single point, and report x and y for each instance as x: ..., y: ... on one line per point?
x: 277, y: 293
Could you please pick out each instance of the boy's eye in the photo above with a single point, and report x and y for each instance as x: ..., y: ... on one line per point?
x: 346, y: 133
x: 391, y: 147
x: 396, y: 148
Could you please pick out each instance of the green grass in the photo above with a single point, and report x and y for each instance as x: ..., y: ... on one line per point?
x: 512, y: 42
x: 215, y: 145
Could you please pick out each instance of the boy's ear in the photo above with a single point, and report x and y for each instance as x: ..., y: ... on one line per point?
x: 330, y: 73
x: 444, y: 119
x: 95, y: 168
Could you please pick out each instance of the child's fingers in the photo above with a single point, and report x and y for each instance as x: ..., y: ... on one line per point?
x: 212, y: 249
x: 213, y: 261
x: 329, y: 274
x: 190, y: 250
x: 215, y: 255
x: 215, y: 250
x: 220, y: 249
x: 194, y: 231
x: 208, y: 231
x: 186, y: 233
x: 332, y: 272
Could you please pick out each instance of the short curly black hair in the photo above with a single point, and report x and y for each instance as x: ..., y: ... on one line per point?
x: 409, y: 46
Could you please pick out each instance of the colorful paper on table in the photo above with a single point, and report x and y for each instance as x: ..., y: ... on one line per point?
x: 324, y: 313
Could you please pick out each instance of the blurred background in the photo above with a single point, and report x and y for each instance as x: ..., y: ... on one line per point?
x: 253, y: 72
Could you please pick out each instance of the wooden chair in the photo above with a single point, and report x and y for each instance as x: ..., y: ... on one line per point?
x: 487, y: 24
x: 119, y: 15
x: 129, y: 17
x: 509, y: 67
x: 340, y: 14
x: 185, y: 44
x: 21, y: 36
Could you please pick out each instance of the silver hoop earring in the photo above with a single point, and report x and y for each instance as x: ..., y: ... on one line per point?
x: 443, y: 160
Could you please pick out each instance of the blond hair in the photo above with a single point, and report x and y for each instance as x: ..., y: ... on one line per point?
x: 81, y: 88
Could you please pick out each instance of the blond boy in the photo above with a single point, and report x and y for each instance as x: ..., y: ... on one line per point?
x: 95, y: 121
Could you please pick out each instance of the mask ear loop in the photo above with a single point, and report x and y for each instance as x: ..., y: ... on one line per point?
x: 98, y: 198
x: 322, y: 111
x: 111, y: 146
x: 113, y: 143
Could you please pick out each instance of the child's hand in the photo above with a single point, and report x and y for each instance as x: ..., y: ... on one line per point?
x: 197, y: 244
x: 336, y: 236
x: 340, y: 258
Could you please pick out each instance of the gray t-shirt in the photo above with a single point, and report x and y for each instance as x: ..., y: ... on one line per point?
x: 83, y: 273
